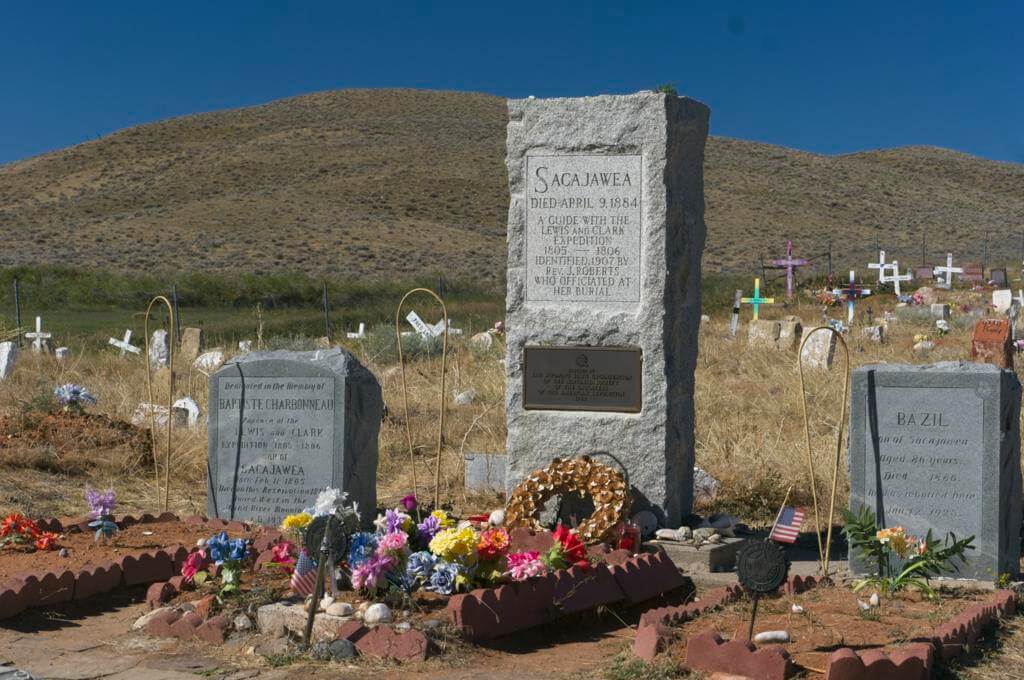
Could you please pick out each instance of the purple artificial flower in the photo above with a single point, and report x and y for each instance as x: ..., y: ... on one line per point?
x: 367, y: 575
x: 428, y: 528
x: 394, y: 522
x: 409, y: 502
x: 101, y: 503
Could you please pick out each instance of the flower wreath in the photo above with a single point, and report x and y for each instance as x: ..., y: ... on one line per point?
x: 605, y: 485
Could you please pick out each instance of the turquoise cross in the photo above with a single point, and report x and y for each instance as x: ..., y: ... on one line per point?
x: 757, y: 300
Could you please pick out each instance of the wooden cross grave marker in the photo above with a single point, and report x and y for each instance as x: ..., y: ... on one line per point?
x: 895, y: 278
x: 851, y: 294
x: 757, y: 300
x: 790, y: 263
x: 881, y: 266
x: 39, y: 338
x: 125, y: 345
x: 948, y: 270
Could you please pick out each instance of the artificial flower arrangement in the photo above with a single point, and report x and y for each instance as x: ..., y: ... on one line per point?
x: 16, y: 530
x: 228, y: 554
x: 101, y: 507
x: 73, y: 398
x: 903, y: 561
x: 826, y: 298
x: 439, y: 555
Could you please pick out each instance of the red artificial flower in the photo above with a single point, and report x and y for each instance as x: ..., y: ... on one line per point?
x: 282, y: 555
x: 573, y: 549
x: 17, y: 523
x: 47, y: 541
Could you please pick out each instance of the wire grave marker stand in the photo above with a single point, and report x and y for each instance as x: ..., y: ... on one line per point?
x: 824, y: 551
x: 405, y: 393
x: 160, y: 299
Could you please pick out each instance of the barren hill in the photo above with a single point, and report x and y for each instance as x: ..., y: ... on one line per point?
x: 395, y: 183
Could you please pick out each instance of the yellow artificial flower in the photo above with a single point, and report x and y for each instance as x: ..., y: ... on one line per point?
x: 454, y: 545
x: 443, y: 519
x: 296, y: 522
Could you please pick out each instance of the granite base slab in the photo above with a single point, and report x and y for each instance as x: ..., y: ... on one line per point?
x: 710, y: 557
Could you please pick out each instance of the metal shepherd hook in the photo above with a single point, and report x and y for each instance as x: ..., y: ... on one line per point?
x: 170, y: 396
x: 405, y: 394
x: 824, y: 552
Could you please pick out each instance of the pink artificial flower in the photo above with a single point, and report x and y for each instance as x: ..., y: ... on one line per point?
x: 366, y: 575
x: 281, y: 554
x: 194, y: 563
x: 392, y: 545
x: 409, y: 502
x: 522, y: 566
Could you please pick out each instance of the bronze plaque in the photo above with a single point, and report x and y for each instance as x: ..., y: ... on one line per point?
x: 582, y: 379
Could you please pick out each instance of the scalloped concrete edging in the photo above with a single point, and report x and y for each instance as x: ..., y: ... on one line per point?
x: 39, y: 589
x: 488, y: 613
x: 709, y: 653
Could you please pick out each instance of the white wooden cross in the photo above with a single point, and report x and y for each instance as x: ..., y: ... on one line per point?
x: 360, y: 335
x: 948, y: 270
x: 881, y: 266
x: 420, y: 325
x: 125, y: 345
x: 735, y: 313
x: 439, y: 328
x: 895, y: 278
x: 38, y: 338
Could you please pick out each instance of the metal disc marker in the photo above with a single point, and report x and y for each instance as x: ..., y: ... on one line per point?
x: 761, y: 567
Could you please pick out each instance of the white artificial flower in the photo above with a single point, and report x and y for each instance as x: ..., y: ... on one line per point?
x: 327, y: 501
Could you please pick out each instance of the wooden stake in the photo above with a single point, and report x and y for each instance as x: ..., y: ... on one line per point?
x: 170, y: 396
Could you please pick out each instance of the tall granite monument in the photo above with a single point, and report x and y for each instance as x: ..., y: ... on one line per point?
x: 938, y: 447
x: 605, y: 235
x: 286, y: 425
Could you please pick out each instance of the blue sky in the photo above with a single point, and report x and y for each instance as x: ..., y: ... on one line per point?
x: 808, y: 75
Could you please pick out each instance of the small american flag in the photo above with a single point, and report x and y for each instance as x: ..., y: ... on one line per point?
x: 304, y: 576
x: 788, y: 524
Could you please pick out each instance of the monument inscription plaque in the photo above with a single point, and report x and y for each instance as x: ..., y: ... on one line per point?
x: 583, y: 228
x: 286, y: 425
x: 582, y: 379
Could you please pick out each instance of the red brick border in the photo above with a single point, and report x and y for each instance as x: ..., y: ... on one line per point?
x: 488, y: 613
x: 25, y: 591
x: 709, y: 653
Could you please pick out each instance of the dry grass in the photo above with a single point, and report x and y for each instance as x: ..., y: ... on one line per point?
x: 748, y: 420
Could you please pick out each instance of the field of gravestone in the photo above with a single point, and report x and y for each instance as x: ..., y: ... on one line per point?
x: 749, y: 432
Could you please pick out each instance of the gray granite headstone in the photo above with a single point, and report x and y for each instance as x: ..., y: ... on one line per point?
x: 938, y: 447
x: 284, y: 426
x: 605, y: 235
x: 485, y: 471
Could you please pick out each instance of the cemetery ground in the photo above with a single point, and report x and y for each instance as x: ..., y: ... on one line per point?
x: 749, y: 437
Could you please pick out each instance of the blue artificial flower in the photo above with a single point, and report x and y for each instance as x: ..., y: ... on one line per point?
x: 442, y: 580
x: 420, y: 565
x: 71, y: 394
x: 217, y: 547
x: 238, y: 549
x: 361, y: 547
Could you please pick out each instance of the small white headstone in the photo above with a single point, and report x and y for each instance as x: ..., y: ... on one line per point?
x: 482, y: 340
x: 820, y: 350
x: 940, y: 311
x: 1001, y: 300
x: 875, y: 333
x: 61, y: 353
x: 186, y: 412
x: 244, y: 346
x: 8, y: 356
x: 209, y: 362
x: 159, y: 353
